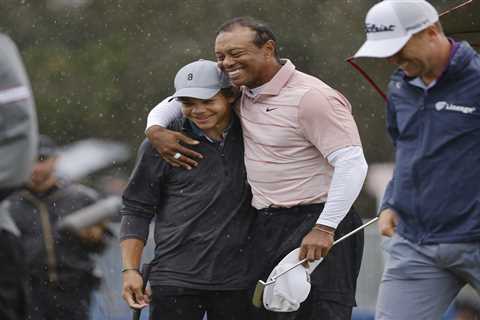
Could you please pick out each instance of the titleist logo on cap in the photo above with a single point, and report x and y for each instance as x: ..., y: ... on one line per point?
x: 372, y: 28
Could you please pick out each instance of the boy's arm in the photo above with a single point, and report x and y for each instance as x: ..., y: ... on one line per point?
x: 132, y: 289
x: 140, y: 200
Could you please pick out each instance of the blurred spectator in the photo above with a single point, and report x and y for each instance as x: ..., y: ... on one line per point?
x: 60, y: 263
x: 18, y: 138
x: 113, y: 184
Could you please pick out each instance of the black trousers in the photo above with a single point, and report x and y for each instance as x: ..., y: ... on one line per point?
x: 59, y: 302
x: 13, y: 278
x: 174, y: 303
x: 281, y: 230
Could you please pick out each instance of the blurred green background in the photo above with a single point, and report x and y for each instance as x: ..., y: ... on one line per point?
x: 98, y: 66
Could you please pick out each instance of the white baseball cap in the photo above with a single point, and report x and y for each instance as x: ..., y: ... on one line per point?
x: 391, y: 23
x: 290, y: 289
x: 201, y: 79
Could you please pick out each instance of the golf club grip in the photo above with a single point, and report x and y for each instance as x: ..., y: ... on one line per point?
x: 145, y: 272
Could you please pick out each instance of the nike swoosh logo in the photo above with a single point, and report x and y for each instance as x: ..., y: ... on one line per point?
x: 270, y: 109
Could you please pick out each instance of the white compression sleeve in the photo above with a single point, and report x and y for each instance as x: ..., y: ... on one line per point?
x: 164, y: 113
x: 350, y: 170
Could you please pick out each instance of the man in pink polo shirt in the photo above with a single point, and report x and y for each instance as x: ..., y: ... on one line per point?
x: 304, y: 163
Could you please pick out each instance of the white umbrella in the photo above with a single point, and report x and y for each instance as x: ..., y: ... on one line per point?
x: 82, y: 158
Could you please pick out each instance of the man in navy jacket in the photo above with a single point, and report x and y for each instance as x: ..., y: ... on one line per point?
x: 431, y: 208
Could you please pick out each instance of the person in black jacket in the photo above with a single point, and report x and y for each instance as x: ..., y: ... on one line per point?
x: 60, y: 263
x: 203, y: 216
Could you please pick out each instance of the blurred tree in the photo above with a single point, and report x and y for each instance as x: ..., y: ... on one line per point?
x: 98, y: 67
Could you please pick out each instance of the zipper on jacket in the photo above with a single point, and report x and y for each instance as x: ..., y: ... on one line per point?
x: 219, y: 147
x: 421, y: 113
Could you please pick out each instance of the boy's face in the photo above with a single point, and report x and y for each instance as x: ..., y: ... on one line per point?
x: 208, y: 114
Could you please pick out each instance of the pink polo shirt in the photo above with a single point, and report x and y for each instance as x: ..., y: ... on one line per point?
x: 289, y: 129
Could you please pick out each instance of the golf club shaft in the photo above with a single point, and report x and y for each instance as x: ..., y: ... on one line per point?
x: 286, y: 270
x: 259, y: 288
x: 363, y: 226
x: 334, y: 243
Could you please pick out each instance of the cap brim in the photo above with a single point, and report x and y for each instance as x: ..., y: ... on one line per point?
x: 197, y: 93
x: 381, y: 48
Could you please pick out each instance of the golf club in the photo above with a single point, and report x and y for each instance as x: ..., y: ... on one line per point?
x: 260, y: 287
x: 145, y: 272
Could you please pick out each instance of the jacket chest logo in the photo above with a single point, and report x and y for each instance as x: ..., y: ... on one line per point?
x: 443, y: 105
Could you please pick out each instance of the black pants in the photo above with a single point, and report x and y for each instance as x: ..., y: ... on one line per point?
x: 59, y: 302
x: 173, y: 303
x: 332, y: 296
x: 13, y: 278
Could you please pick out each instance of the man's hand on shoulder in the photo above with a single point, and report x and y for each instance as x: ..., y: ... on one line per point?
x: 317, y: 243
x: 167, y: 143
x: 387, y: 222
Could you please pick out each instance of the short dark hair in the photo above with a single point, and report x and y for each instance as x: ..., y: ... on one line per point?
x: 263, y: 33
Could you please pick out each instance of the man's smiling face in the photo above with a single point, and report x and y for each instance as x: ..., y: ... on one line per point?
x: 242, y: 60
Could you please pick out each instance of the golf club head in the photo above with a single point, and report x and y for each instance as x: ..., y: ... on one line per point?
x: 257, y: 298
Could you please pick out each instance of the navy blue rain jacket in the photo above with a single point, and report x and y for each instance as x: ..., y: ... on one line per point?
x: 436, y: 133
